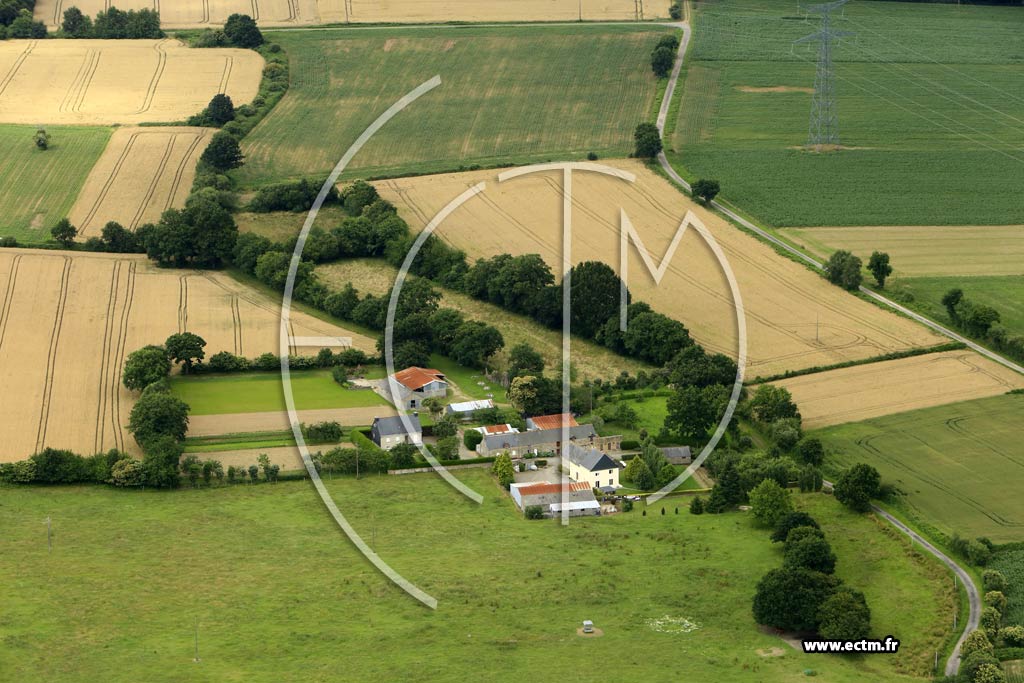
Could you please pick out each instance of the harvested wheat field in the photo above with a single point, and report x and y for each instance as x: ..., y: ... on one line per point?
x: 795, y: 319
x: 925, y: 251
x: 193, y: 13
x: 432, y: 11
x: 67, y: 321
x: 896, y: 386
x: 143, y: 172
x: 118, y: 81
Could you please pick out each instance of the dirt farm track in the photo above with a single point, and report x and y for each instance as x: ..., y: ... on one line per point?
x: 118, y: 81
x: 143, y: 172
x: 68, y: 320
x: 202, y: 13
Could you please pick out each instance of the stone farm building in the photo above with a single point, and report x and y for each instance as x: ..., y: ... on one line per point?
x: 410, y: 387
x: 551, y: 421
x: 388, y: 432
x: 577, y: 498
x: 592, y: 467
x: 537, y: 441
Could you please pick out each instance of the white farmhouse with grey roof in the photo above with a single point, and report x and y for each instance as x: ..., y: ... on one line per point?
x: 388, y: 432
x: 591, y: 466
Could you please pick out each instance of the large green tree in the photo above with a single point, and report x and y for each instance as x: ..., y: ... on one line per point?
x: 879, y: 266
x: 242, y: 31
x: 648, y: 141
x: 145, y: 366
x: 843, y: 269
x: 769, y: 503
x: 790, y: 599
x: 844, y: 615
x: 223, y: 153
x: 857, y: 486
x: 158, y: 414
x: 185, y: 348
x: 595, y: 297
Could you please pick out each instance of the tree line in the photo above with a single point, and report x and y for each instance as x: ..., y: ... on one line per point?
x: 981, y: 321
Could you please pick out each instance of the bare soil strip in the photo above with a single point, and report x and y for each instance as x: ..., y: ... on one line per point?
x: 242, y: 423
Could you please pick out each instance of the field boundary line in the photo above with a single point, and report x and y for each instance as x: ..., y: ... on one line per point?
x: 151, y: 190
x: 51, y: 359
x: 12, y: 281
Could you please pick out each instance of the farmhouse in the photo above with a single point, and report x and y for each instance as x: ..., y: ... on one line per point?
x: 578, y: 498
x: 536, y: 441
x: 591, y: 466
x: 388, y: 432
x: 414, y: 385
x: 551, y: 421
x: 466, y: 409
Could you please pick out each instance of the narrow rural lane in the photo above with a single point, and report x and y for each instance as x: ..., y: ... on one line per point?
x: 974, y: 599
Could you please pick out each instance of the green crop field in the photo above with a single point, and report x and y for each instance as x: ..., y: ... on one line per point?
x: 263, y: 392
x: 519, y: 94
x: 1011, y: 563
x: 929, y: 105
x: 1004, y: 293
x: 953, y: 463
x: 280, y: 595
x: 37, y: 188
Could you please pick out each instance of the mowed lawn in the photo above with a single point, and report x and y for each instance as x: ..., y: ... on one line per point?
x: 1004, y: 293
x: 280, y: 595
x: 264, y: 392
x: 956, y: 464
x: 518, y: 94
x: 37, y: 188
x: 925, y: 101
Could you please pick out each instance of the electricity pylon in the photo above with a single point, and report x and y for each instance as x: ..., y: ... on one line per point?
x: 824, y: 126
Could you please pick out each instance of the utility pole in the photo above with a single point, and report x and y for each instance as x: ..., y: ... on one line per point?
x: 824, y: 126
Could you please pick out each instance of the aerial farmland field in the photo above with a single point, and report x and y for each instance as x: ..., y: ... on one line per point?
x: 895, y: 386
x: 496, y: 103
x: 39, y: 187
x: 701, y: 569
x: 69, y: 321
x: 795, y: 318
x: 955, y: 464
x: 928, y: 115
x: 118, y: 81
x: 142, y: 173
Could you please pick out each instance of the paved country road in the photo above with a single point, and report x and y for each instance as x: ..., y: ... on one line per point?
x: 953, y: 663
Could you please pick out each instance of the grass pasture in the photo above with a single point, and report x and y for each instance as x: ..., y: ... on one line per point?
x: 40, y: 187
x: 927, y: 114
x: 263, y: 392
x: 1005, y: 293
x: 956, y: 464
x: 276, y: 573
x: 1014, y: 671
x: 497, y: 103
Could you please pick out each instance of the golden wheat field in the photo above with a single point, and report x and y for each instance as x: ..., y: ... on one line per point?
x: 68, y: 320
x: 895, y: 386
x: 143, y: 172
x: 202, y: 13
x: 794, y: 318
x: 925, y: 251
x: 118, y: 81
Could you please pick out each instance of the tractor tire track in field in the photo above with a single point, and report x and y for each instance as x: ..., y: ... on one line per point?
x: 255, y: 9
x: 102, y: 195
x: 94, y: 64
x: 161, y: 63
x: 226, y: 75
x: 182, y: 166
x: 51, y: 359
x: 182, y: 304
x: 151, y: 190
x: 105, y: 360
x: 5, y: 312
x: 974, y: 598
x: 71, y: 95
x: 57, y: 14
x: 13, y: 71
x: 115, y: 371
x: 236, y: 321
x: 206, y: 12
